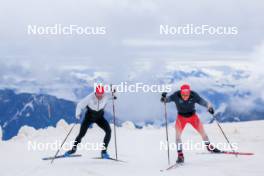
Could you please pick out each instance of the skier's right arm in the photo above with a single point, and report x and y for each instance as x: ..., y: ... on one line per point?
x: 81, y: 106
x: 166, y: 99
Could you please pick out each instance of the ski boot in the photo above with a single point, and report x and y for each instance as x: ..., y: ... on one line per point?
x: 105, y: 155
x: 180, y: 158
x: 212, y: 148
x: 70, y: 152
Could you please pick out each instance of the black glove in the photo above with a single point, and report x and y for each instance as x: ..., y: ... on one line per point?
x: 164, y: 94
x: 211, y: 110
x: 115, y: 97
x: 163, y: 97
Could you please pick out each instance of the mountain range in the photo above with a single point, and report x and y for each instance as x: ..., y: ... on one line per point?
x: 226, y: 90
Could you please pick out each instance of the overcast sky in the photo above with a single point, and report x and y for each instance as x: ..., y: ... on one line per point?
x: 132, y: 30
x: 132, y: 42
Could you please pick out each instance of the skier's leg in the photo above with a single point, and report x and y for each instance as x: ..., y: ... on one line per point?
x: 102, y: 123
x: 179, y: 126
x: 197, y: 124
x: 84, y: 127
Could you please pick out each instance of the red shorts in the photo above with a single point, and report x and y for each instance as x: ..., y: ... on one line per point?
x: 193, y: 120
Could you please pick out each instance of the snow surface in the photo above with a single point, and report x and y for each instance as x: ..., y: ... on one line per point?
x: 139, y: 147
x: 128, y: 125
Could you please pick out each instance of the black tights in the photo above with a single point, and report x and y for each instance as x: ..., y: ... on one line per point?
x: 101, y: 122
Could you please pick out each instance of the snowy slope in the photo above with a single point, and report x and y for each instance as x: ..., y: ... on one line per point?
x: 139, y: 147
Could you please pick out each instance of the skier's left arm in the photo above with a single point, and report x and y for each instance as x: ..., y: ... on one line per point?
x: 111, y: 96
x: 201, y: 101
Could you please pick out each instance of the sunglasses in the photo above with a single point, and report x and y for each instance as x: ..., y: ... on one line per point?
x: 185, y: 95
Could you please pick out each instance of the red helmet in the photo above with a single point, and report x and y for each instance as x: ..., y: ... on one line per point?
x: 99, y: 90
x: 185, y: 88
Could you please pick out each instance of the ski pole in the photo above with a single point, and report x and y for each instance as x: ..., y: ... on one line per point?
x: 63, y: 143
x: 167, y: 134
x: 114, y: 120
x: 221, y: 129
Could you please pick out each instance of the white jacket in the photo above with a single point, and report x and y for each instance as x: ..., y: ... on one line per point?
x: 93, y: 103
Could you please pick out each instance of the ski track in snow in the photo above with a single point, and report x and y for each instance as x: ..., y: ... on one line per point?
x: 141, y: 151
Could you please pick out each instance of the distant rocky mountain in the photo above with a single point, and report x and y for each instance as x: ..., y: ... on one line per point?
x: 35, y: 110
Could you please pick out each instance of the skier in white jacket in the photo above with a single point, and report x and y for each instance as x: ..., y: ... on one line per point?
x: 93, y: 105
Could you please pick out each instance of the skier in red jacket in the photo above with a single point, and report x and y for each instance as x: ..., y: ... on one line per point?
x: 185, y: 100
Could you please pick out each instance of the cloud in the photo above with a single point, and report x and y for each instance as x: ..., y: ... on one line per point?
x: 132, y: 49
x: 125, y: 20
x: 166, y: 43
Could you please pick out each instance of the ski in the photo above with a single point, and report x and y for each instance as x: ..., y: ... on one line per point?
x: 113, y: 159
x: 238, y: 153
x: 172, y: 167
x: 230, y: 153
x: 61, y: 156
